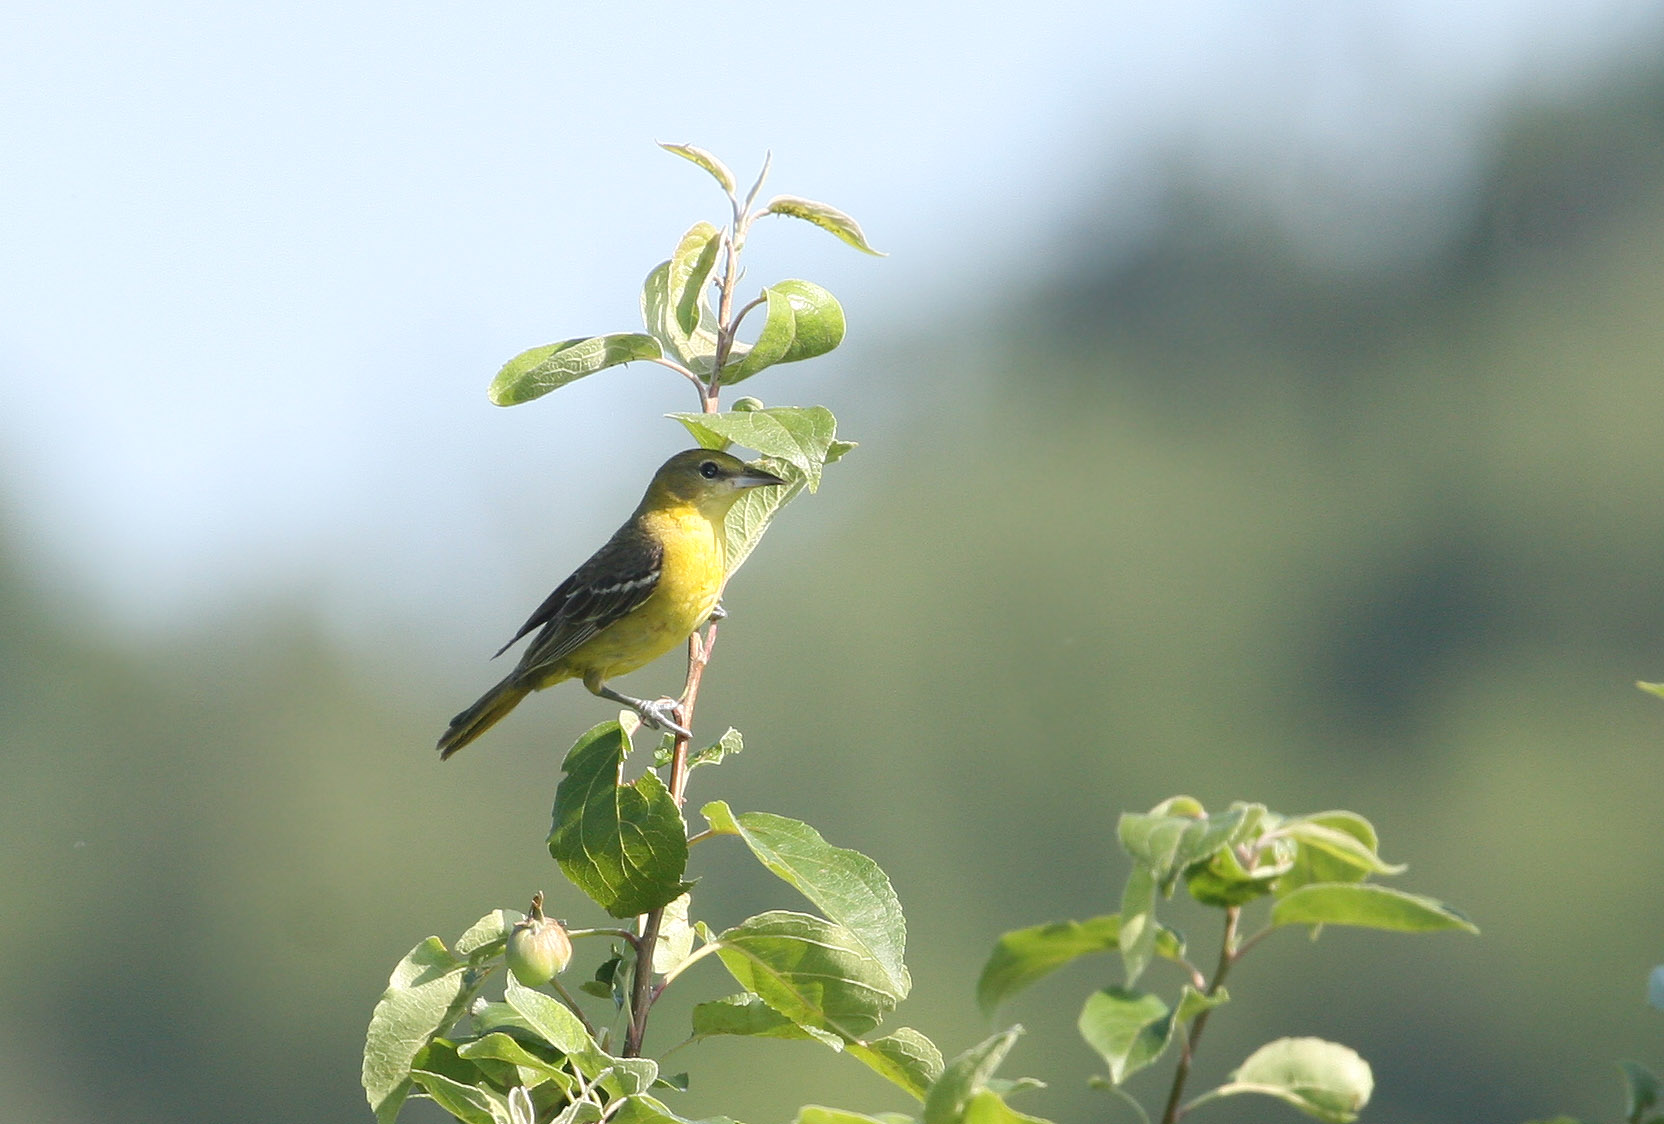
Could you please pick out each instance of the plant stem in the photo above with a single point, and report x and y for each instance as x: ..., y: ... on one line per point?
x: 642, y: 992
x: 1228, y: 953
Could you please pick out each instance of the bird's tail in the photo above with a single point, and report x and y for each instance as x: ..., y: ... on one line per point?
x: 483, y: 715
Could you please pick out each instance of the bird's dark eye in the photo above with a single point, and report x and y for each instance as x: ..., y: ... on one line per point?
x: 708, y: 470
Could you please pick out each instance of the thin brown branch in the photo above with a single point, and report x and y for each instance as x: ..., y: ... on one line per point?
x: 1227, y: 957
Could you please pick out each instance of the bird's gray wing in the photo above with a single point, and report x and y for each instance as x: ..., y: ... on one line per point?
x: 614, y: 581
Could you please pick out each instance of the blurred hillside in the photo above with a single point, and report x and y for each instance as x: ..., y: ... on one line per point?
x: 1225, y: 517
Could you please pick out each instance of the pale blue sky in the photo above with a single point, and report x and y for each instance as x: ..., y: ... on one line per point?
x: 261, y: 259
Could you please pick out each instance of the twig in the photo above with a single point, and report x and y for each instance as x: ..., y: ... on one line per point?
x: 1228, y: 953
x: 642, y: 991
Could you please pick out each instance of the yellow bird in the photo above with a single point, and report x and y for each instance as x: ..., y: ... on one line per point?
x: 657, y: 579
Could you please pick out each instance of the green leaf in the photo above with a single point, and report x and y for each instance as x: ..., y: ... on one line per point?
x: 429, y: 991
x: 965, y: 1076
x: 1367, y: 905
x: 798, y: 435
x: 802, y: 321
x: 534, y: 1069
x: 824, y: 216
x: 1131, y: 1029
x: 1138, y: 922
x: 1641, y: 1090
x: 905, y: 1056
x: 819, y: 1114
x: 1024, y: 956
x: 675, y: 941
x: 486, y: 937
x: 690, y: 274
x: 1321, y: 1079
x: 642, y: 1108
x: 1167, y: 843
x: 1222, y: 881
x: 847, y: 886
x: 534, y: 373
x: 660, y: 307
x: 744, y: 1015
x: 674, y: 309
x: 625, y: 845
x: 771, y: 344
x: 468, y: 1103
x: 727, y: 745
x: 818, y: 323
x: 610, y: 981
x: 1344, y: 844
x: 1655, y: 688
x: 1346, y: 850
x: 719, y: 171
x: 549, y: 1019
x: 988, y: 1107
x: 441, y: 1057
x: 755, y: 510
x: 813, y: 971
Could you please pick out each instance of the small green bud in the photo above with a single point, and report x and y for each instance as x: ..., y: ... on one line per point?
x: 538, y: 948
x: 747, y: 404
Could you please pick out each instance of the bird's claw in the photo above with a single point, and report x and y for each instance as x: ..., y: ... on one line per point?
x: 661, y: 715
x: 717, y: 614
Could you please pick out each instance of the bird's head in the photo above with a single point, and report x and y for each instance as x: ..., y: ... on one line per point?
x: 706, y: 479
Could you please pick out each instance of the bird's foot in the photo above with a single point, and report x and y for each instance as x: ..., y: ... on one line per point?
x: 717, y: 614
x: 661, y: 715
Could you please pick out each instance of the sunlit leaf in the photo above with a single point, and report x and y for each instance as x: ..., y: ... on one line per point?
x: 468, y: 1103
x: 1367, y: 905
x: 988, y: 1107
x: 486, y: 937
x: 548, y: 1018
x: 744, y: 1015
x: 534, y: 1069
x: 847, y: 886
x: 803, y: 320
x: 905, y: 1057
x: 819, y: 1114
x: 1166, y: 843
x: 798, y: 435
x: 429, y: 991
x: 1346, y: 850
x: 675, y: 941
x: 804, y: 435
x: 534, y: 373
x: 724, y: 747
x: 705, y: 160
x: 824, y: 216
x: 1131, y: 1029
x: 1138, y: 922
x: 813, y: 971
x: 1321, y: 1079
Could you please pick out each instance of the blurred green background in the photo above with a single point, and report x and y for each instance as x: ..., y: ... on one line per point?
x: 1222, y: 510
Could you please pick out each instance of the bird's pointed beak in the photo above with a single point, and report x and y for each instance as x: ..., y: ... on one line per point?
x: 754, y: 477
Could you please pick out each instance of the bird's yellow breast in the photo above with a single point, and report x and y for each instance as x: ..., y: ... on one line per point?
x: 690, y: 582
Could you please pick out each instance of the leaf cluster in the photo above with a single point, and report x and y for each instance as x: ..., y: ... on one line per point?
x: 1310, y: 870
